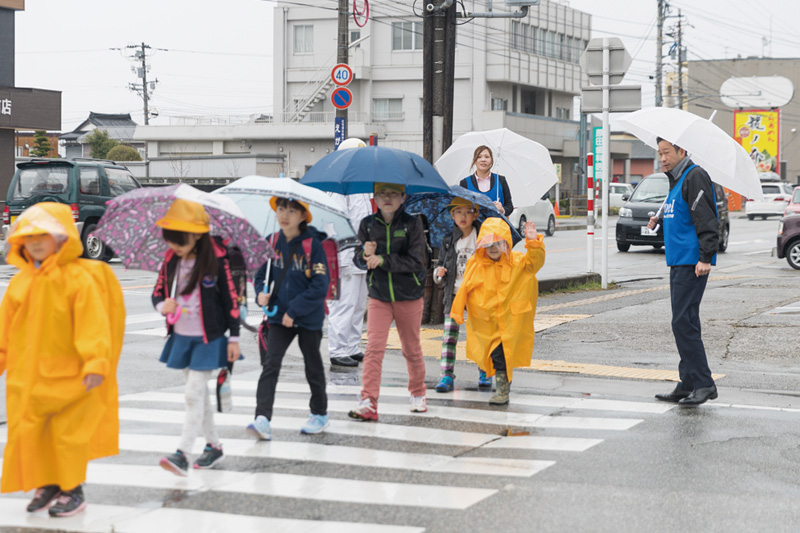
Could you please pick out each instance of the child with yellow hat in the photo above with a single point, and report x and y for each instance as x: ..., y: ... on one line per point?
x: 454, y: 253
x: 195, y: 291
x: 61, y: 393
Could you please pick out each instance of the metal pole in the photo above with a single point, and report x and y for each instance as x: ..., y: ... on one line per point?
x: 606, y: 164
x: 145, y: 96
x: 590, y: 213
x: 680, y: 63
x: 342, y: 55
x: 659, y: 49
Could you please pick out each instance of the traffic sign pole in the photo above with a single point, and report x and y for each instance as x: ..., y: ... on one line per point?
x: 606, y: 164
x: 590, y: 213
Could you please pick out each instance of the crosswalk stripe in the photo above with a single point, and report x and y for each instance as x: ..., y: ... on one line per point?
x: 482, y: 416
x: 566, y: 402
x: 382, y: 431
x: 334, y: 454
x: 289, y: 486
x: 104, y: 518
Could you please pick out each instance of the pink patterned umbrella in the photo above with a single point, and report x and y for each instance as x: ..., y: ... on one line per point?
x: 129, y: 226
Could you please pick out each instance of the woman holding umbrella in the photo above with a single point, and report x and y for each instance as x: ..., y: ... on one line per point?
x: 484, y: 181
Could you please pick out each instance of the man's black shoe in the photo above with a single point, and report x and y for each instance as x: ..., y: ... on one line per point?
x: 358, y: 357
x: 344, y: 361
x: 699, y: 396
x: 675, y: 396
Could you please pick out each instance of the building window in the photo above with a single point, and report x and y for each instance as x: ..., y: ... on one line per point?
x: 532, y: 39
x: 304, y: 39
x: 562, y: 113
x: 406, y: 36
x: 354, y: 36
x: 499, y: 104
x: 387, y: 109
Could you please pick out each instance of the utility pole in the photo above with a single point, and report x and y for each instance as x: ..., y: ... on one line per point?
x: 439, y: 40
x: 659, y: 50
x: 141, y: 54
x: 342, y: 56
x: 680, y: 62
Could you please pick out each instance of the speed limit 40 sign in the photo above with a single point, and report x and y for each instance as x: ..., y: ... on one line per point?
x: 342, y: 75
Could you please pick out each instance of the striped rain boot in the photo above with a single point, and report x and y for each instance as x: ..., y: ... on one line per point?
x: 500, y: 396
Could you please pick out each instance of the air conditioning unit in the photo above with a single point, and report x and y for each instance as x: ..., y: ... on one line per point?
x: 294, y: 174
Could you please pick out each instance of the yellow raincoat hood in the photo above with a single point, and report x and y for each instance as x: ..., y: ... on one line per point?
x: 59, y: 321
x: 500, y: 299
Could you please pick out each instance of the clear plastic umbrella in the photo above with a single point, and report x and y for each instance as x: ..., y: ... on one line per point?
x: 726, y: 162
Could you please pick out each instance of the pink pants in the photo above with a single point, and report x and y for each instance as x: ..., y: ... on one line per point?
x: 407, y: 317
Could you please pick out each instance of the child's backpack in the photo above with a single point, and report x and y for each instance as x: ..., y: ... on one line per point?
x: 332, y: 255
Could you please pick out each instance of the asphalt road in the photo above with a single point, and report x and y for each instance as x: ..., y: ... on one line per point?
x: 600, y: 454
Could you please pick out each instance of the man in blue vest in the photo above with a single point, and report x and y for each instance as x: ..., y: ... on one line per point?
x: 691, y: 240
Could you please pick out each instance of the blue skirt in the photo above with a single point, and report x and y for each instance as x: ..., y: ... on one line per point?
x: 182, y: 351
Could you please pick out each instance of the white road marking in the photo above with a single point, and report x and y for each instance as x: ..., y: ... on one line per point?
x: 482, y: 416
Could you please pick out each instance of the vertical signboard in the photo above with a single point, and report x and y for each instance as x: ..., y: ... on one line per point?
x: 597, y: 150
x: 338, y: 132
x: 758, y: 131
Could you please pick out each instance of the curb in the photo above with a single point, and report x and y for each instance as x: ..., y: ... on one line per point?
x: 554, y: 284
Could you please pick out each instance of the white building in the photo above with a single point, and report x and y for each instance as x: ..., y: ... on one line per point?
x: 522, y: 74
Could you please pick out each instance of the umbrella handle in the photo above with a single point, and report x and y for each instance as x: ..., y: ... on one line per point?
x: 172, y: 318
x: 267, y: 311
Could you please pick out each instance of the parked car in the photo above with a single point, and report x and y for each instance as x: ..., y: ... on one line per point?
x: 645, y: 202
x: 789, y: 240
x: 83, y: 184
x: 616, y: 191
x: 541, y: 213
x: 794, y: 203
x: 776, y: 198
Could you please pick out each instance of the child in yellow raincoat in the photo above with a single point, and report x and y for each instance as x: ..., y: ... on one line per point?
x: 500, y: 291
x: 61, y: 326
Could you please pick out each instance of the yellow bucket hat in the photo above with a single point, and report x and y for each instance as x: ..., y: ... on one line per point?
x: 379, y: 186
x: 274, y: 203
x: 185, y: 215
x: 457, y: 201
x: 37, y: 221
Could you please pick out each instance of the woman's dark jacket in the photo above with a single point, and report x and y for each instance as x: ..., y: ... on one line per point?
x: 401, y: 244
x: 508, y: 205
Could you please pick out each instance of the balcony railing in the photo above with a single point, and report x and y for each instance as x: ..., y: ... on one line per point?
x: 326, y: 117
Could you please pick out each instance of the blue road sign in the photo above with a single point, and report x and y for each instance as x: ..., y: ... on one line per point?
x: 341, y: 98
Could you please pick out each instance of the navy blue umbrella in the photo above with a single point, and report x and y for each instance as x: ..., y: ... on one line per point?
x: 356, y: 171
x: 434, y: 207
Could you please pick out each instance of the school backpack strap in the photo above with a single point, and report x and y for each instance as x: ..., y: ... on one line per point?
x: 332, y: 257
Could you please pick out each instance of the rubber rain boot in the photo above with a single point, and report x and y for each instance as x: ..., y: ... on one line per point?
x: 503, y: 388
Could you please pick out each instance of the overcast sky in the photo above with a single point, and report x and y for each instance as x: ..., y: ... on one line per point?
x: 217, y: 56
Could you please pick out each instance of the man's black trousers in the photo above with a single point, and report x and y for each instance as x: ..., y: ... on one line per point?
x: 686, y: 292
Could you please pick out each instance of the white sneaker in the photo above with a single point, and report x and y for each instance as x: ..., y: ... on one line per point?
x: 419, y: 404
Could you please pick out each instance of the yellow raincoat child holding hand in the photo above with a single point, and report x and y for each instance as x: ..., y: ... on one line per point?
x: 62, y: 320
x: 500, y: 291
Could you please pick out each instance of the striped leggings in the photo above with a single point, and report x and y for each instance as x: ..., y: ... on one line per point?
x: 449, y: 341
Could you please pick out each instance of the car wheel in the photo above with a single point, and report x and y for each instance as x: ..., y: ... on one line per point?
x: 658, y: 246
x: 723, y: 241
x: 521, y: 228
x: 551, y: 226
x: 93, y: 247
x: 793, y: 255
x: 751, y: 217
x: 763, y: 217
x: 623, y: 246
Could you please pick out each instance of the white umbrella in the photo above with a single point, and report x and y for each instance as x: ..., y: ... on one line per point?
x: 706, y: 144
x: 526, y: 164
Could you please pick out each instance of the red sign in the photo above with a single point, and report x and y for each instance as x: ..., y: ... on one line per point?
x: 342, y: 74
x: 341, y: 98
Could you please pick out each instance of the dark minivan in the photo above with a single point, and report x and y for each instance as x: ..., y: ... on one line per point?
x: 85, y: 185
x: 644, y: 203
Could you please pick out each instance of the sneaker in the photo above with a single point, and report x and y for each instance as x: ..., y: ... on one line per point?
x: 43, y: 497
x: 175, y: 463
x: 211, y: 455
x: 365, y: 411
x: 260, y: 428
x: 446, y: 384
x: 483, y: 381
x: 69, y: 503
x: 315, y: 424
x: 419, y: 404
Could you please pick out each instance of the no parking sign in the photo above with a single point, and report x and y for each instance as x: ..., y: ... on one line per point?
x: 341, y: 98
